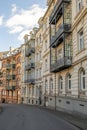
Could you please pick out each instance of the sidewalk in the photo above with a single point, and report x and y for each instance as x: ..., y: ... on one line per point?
x: 78, y: 120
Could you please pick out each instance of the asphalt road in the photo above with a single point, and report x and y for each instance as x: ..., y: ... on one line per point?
x: 22, y: 117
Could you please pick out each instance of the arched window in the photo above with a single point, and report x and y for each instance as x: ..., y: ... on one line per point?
x: 18, y: 70
x: 51, y: 84
x: 19, y: 59
x: 60, y: 83
x: 69, y: 81
x: 82, y: 79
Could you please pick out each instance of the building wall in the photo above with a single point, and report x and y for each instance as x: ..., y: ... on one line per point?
x: 73, y: 100
x: 11, y: 76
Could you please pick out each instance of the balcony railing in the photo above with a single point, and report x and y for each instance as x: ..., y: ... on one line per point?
x: 61, y: 64
x: 10, y: 66
x: 30, y: 51
x: 30, y: 81
x: 57, y: 7
x: 30, y: 66
x: 10, y: 87
x: 65, y: 28
x: 10, y: 77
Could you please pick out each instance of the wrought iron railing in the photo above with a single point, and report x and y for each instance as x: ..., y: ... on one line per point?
x: 63, y: 62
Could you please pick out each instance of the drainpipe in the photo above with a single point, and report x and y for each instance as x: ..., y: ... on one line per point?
x: 55, y: 91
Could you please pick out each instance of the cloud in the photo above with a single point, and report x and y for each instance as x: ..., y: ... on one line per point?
x: 14, y: 8
x: 16, y: 29
x: 1, y: 20
x: 24, y: 20
x: 21, y: 35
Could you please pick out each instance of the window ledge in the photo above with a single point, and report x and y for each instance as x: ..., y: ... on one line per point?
x: 80, y: 51
x: 78, y: 13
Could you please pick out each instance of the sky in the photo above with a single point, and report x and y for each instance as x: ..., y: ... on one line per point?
x: 17, y: 18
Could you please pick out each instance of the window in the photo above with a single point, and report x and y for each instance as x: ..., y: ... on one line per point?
x: 32, y: 91
x: 40, y: 55
x: 82, y: 78
x: 69, y: 82
x: 18, y: 82
x: 46, y: 85
x: 40, y: 72
x: 60, y: 83
x: 51, y: 85
x: 79, y: 5
x: 37, y: 74
x: 46, y: 45
x: 40, y: 38
x: 81, y: 40
x: 18, y: 71
x: 37, y: 57
x: 46, y: 64
x: 19, y: 59
x: 60, y: 54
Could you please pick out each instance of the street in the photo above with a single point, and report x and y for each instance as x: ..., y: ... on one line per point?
x: 22, y: 117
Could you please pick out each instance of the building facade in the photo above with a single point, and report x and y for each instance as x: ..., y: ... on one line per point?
x: 68, y: 32
x: 54, y: 60
x: 30, y: 67
x: 23, y: 87
x: 39, y: 63
x: 11, y: 80
x: 48, y: 78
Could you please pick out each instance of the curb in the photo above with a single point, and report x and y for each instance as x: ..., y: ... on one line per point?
x: 69, y: 117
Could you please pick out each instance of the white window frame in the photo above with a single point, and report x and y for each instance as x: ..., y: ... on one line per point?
x: 46, y: 85
x: 79, y: 5
x: 60, y: 83
x: 69, y: 81
x: 81, y: 40
x: 60, y: 54
x: 51, y: 85
x: 82, y: 79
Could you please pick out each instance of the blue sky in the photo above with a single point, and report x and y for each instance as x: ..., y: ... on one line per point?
x: 18, y: 17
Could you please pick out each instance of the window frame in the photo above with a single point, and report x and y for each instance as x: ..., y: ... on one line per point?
x: 81, y: 40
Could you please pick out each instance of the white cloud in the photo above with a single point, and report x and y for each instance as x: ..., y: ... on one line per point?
x: 16, y: 29
x: 21, y: 35
x: 14, y: 8
x: 24, y: 20
x: 1, y: 20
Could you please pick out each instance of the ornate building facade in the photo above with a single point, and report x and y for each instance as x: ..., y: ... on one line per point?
x: 11, y: 76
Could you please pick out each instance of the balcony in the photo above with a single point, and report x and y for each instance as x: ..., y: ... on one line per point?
x: 30, y: 81
x: 13, y: 66
x: 30, y: 51
x: 10, y: 66
x: 10, y: 88
x: 10, y: 77
x: 57, y: 10
x: 61, y: 64
x: 58, y: 38
x: 30, y: 66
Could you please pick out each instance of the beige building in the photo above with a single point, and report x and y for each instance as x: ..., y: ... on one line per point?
x: 54, y: 58
x: 30, y: 67
x: 48, y: 77
x: 39, y: 63
x: 23, y: 87
x: 68, y: 55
